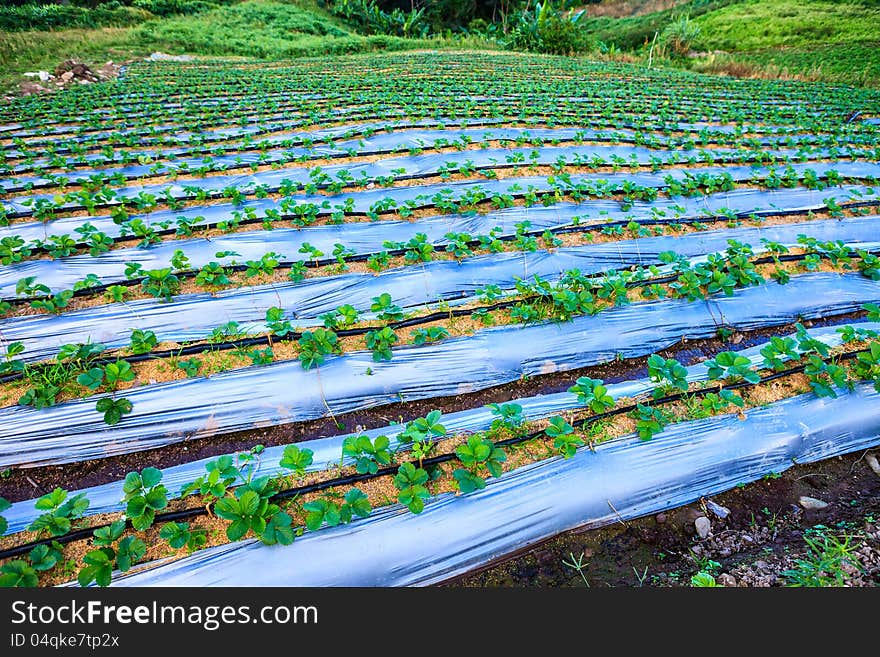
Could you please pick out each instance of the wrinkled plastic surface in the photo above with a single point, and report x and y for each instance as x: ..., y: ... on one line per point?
x: 194, y: 316
x: 425, y: 164
x: 283, y: 392
x: 106, y: 498
x: 622, y: 479
x: 385, y: 142
x: 421, y: 195
x: 368, y: 237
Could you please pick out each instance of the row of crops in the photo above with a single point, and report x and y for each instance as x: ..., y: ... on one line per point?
x: 260, y: 321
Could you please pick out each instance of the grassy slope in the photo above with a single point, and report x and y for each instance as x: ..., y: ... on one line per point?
x: 835, y: 41
x: 257, y: 28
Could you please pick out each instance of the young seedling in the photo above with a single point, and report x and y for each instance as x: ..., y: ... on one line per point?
x: 144, y: 495
x: 478, y: 456
x: 410, y: 481
x: 59, y: 512
x: 649, y: 420
x: 668, y: 374
x: 565, y: 440
x: 328, y: 510
x: 367, y: 454
x: 296, y: 459
x: 593, y: 394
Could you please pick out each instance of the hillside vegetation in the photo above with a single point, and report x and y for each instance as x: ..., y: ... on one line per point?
x: 832, y: 41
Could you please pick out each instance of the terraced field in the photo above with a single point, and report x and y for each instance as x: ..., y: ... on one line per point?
x: 383, y: 320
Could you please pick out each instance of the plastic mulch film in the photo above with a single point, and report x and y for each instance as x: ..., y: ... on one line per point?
x: 362, y: 201
x: 284, y: 392
x: 194, y: 316
x: 328, y: 451
x: 622, y: 479
x: 376, y: 144
x: 367, y: 237
x: 429, y: 163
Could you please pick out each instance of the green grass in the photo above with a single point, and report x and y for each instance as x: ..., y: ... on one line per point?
x: 760, y: 24
x: 33, y: 51
x: 255, y: 28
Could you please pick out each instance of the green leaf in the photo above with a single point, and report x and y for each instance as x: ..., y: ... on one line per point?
x: 296, y: 459
x: 98, y: 569
x: 51, y: 500
x: 279, y: 530
x: 105, y: 536
x: 131, y: 550
x: 43, y: 557
x: 467, y: 481
x: 18, y: 574
x: 176, y: 533
x: 359, y: 502
x: 91, y: 379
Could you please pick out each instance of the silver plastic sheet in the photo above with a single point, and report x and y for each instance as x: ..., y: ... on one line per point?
x: 283, y: 392
x: 621, y: 479
x: 364, y: 200
x: 367, y: 237
x: 106, y: 498
x: 194, y: 316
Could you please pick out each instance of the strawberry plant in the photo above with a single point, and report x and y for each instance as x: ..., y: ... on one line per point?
x: 161, y: 284
x: 478, y: 456
x: 385, y: 309
x: 506, y: 416
x: 315, y: 345
x: 649, y: 420
x: 190, y: 366
x: 248, y: 510
x: 341, y: 318
x: 54, y: 303
x: 430, y: 334
x: 668, y: 374
x: 99, y: 563
x: 776, y: 349
x: 715, y: 403
x: 728, y: 366
x: 565, y: 440
x: 808, y: 344
x: 213, y: 274
x: 333, y: 512
x: 18, y: 573
x: 60, y: 511
x: 278, y: 323
x: 367, y: 454
x: 113, y: 409
x: 424, y: 427
x: 866, y: 366
x: 380, y: 342
x: 824, y: 377
x: 221, y: 474
x: 593, y: 394
x: 296, y: 459
x: 410, y: 482
x: 179, y: 535
x: 142, y: 342
x: 144, y: 495
x: 10, y: 364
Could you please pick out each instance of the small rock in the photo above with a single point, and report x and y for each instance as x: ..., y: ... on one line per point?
x: 872, y: 462
x: 720, y: 511
x: 726, y: 579
x: 811, y: 503
x: 67, y: 76
x: 660, y: 518
x: 737, y: 338
x: 703, y: 526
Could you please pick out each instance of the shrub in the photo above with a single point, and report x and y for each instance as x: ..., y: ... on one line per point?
x: 678, y: 36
